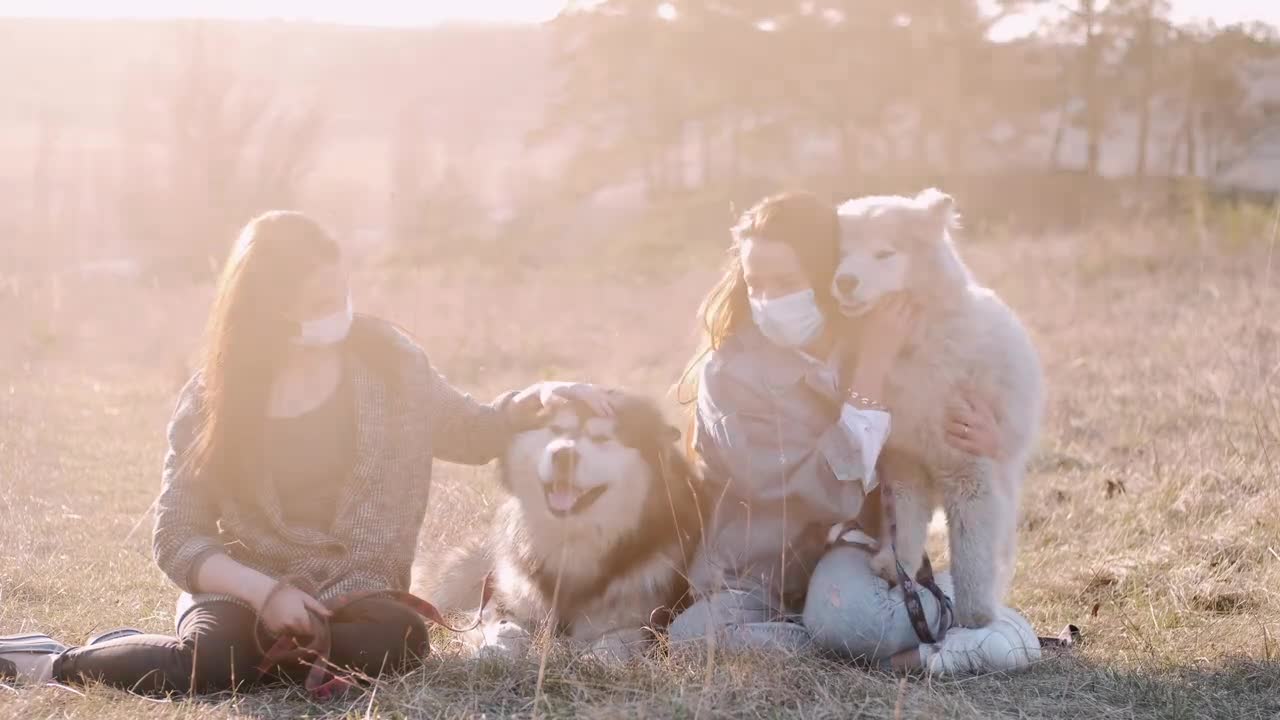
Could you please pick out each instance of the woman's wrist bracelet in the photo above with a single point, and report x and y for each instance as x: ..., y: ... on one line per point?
x: 862, y: 402
x: 281, y: 584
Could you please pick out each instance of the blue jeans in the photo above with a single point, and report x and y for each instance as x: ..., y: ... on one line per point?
x: 853, y: 612
x: 848, y: 610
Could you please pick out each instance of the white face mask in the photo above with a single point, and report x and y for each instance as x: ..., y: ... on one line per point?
x: 790, y: 321
x: 328, y: 330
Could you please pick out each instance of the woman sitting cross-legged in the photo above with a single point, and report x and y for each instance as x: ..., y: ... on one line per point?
x: 298, y: 470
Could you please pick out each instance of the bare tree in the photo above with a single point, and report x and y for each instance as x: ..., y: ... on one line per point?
x: 1089, y: 27
x: 1145, y: 26
x: 434, y: 210
x: 225, y: 147
x: 42, y: 212
x: 1220, y: 119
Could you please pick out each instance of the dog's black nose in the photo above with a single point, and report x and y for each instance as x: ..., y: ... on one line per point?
x: 846, y: 285
x: 562, y: 459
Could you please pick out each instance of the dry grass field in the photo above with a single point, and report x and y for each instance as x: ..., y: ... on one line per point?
x: 1152, y: 518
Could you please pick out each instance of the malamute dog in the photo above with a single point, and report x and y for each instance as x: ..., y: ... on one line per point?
x: 967, y: 338
x: 601, y: 524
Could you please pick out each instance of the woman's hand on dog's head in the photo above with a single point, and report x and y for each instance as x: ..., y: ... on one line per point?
x: 600, y: 401
x: 527, y: 408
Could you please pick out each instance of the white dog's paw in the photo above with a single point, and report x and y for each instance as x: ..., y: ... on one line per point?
x: 505, y: 639
x: 970, y: 614
x: 618, y: 647
x: 610, y: 652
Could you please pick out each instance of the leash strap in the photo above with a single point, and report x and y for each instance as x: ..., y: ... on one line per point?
x: 320, y: 682
x: 1067, y: 639
x: 925, y: 578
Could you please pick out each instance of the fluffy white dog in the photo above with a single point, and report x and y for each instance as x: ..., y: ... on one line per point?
x: 967, y: 338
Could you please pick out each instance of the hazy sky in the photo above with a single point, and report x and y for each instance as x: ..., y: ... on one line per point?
x: 418, y: 12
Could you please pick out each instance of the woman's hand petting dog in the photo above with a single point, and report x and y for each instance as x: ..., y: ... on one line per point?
x: 880, y: 336
x: 597, y: 399
x: 524, y: 411
x: 883, y: 331
x: 972, y: 425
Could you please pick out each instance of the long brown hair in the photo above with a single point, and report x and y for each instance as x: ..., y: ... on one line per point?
x: 798, y: 218
x: 247, y: 333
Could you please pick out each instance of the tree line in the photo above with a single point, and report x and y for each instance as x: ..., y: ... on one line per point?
x: 653, y: 89
x: 697, y: 102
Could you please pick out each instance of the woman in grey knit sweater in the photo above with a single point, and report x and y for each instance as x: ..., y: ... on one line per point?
x: 298, y: 469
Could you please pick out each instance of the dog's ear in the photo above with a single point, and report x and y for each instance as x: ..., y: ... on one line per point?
x: 940, y: 206
x: 936, y: 201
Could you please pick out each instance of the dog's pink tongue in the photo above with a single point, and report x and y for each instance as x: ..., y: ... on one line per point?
x: 561, y: 500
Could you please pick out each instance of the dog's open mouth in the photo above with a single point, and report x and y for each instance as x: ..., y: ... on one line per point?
x: 565, y: 499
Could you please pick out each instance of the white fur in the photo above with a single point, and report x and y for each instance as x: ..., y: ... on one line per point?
x: 967, y: 337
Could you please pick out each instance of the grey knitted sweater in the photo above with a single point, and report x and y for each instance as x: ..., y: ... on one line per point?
x: 406, y: 414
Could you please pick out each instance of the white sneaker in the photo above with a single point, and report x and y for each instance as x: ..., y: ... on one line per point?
x: 1007, y: 644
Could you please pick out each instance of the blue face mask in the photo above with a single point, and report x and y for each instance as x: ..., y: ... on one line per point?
x: 792, y: 321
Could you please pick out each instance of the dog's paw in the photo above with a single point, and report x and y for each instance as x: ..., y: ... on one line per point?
x: 971, y: 616
x: 610, y: 652
x: 619, y: 646
x: 505, y: 639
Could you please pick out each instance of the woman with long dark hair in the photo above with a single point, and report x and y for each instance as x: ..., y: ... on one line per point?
x: 787, y: 429
x: 298, y: 470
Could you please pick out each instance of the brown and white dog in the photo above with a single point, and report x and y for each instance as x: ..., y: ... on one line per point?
x: 597, y: 535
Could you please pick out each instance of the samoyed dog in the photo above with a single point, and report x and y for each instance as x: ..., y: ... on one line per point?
x: 967, y: 338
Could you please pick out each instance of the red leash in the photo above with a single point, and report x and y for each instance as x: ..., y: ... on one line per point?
x: 321, y: 682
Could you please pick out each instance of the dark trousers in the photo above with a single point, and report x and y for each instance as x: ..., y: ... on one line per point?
x: 215, y: 650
